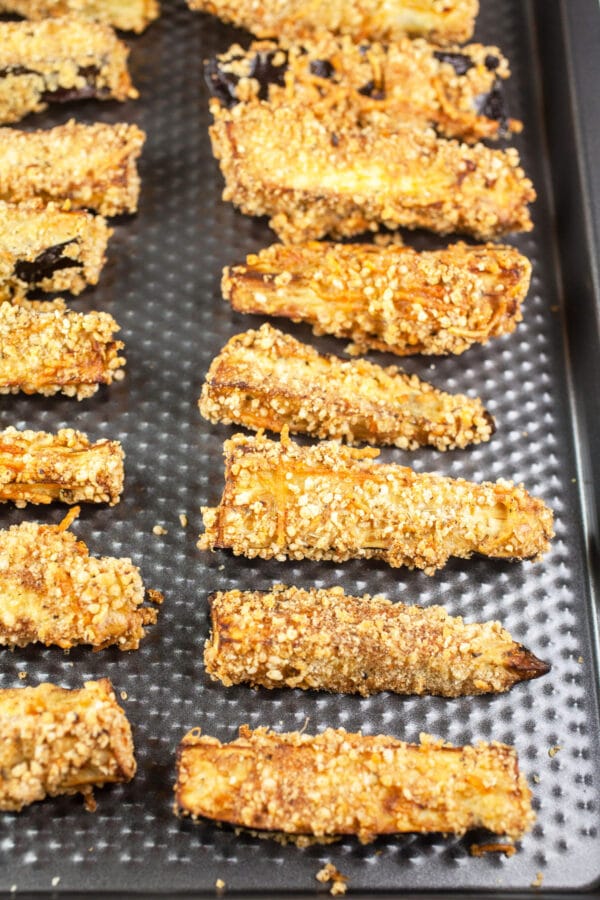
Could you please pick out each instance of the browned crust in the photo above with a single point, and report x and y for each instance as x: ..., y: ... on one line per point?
x: 337, y: 783
x: 126, y: 15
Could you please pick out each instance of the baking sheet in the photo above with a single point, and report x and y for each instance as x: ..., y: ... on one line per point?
x: 162, y: 286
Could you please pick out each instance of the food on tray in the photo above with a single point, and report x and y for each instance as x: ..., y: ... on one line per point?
x: 327, y: 640
x: 89, y: 166
x: 43, y: 247
x: 266, y: 379
x: 316, y: 175
x: 37, y: 467
x: 57, y: 60
x: 127, y: 15
x: 387, y: 298
x: 328, y: 501
x: 55, y: 593
x: 443, y: 23
x: 339, y: 783
x: 46, y: 349
x: 58, y: 741
x: 457, y: 90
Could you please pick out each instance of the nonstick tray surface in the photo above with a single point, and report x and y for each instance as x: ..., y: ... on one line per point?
x: 162, y: 286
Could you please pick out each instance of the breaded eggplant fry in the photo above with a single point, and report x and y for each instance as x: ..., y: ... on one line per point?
x: 37, y: 467
x: 387, y: 298
x: 282, y: 500
x: 126, y: 15
x: 57, y: 741
x: 316, y: 176
x: 443, y: 23
x: 327, y: 640
x: 55, y: 593
x: 58, y: 60
x: 338, y: 783
x: 46, y: 350
x: 43, y: 247
x: 90, y: 166
x: 266, y: 379
x: 458, y: 90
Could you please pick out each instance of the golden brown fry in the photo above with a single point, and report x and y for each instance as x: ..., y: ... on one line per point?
x: 126, y: 15
x: 43, y: 247
x: 56, y: 741
x: 338, y: 783
x: 266, y: 379
x: 443, y: 23
x: 54, y: 592
x: 37, y: 467
x: 282, y: 501
x: 58, y: 60
x: 327, y: 640
x: 89, y: 166
x: 317, y: 176
x: 457, y: 90
x: 387, y: 298
x: 46, y: 350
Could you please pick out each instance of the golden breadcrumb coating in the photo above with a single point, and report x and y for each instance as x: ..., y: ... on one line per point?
x: 55, y: 593
x: 58, y: 741
x: 37, y: 467
x: 57, y: 60
x: 389, y: 298
x: 338, y: 783
x: 442, y: 21
x: 43, y: 247
x: 316, y: 176
x: 327, y: 640
x: 90, y: 166
x: 126, y: 15
x: 46, y: 349
x: 266, y: 379
x: 458, y: 90
x: 329, y: 501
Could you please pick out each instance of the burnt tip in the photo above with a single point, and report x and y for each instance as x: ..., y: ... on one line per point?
x: 525, y: 665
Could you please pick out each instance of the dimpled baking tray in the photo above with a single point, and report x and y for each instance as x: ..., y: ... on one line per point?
x: 162, y: 285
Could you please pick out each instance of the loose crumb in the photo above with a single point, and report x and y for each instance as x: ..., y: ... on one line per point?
x: 55, y: 880
x: 553, y: 751
x: 330, y: 873
x: 158, y: 529
x: 537, y: 881
x: 221, y: 568
x: 220, y: 884
x: 536, y: 779
x: 183, y: 519
x: 123, y: 695
x: 580, y: 659
x: 22, y: 675
x: 482, y: 849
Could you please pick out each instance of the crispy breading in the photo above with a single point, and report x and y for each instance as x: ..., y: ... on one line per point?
x: 339, y: 783
x: 37, y: 467
x: 389, y: 298
x: 90, y: 166
x: 282, y: 500
x: 55, y: 593
x: 319, y: 175
x: 57, y: 741
x: 327, y: 640
x: 58, y: 60
x: 46, y: 349
x: 457, y: 90
x: 267, y: 379
x: 126, y: 15
x: 386, y: 20
x: 43, y: 247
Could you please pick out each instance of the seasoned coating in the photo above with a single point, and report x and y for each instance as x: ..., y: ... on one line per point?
x: 457, y: 90
x: 327, y: 640
x: 43, y: 247
x: 387, y: 298
x: 90, y: 166
x: 316, y: 176
x: 386, y: 20
x: 126, y: 15
x: 37, y: 467
x: 55, y: 593
x: 282, y: 501
x: 46, y: 350
x: 57, y: 741
x: 339, y: 783
x: 266, y: 379
x: 58, y: 60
